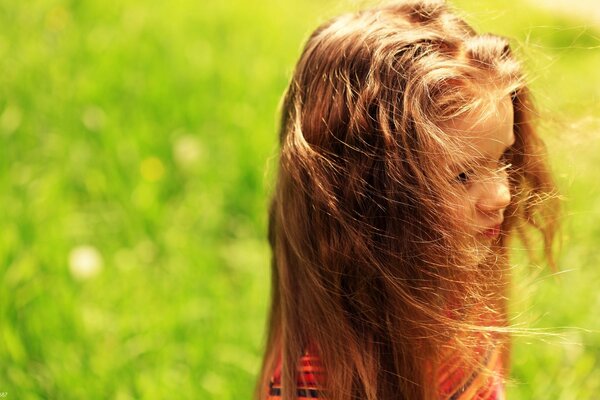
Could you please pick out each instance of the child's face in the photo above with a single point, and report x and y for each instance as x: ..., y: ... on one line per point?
x: 480, y: 174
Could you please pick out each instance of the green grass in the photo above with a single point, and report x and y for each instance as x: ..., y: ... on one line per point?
x: 147, y: 130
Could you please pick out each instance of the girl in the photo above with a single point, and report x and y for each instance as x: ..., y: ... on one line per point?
x: 408, y: 159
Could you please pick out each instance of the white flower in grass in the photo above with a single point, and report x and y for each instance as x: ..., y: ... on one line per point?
x: 85, y: 262
x: 187, y: 151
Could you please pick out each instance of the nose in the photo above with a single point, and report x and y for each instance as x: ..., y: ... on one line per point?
x: 495, y: 195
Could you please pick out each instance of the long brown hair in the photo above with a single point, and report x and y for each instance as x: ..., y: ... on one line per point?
x: 369, y: 266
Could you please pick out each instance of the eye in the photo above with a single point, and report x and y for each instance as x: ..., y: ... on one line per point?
x: 464, y: 177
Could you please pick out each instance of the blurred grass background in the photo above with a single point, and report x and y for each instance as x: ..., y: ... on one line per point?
x: 137, y: 145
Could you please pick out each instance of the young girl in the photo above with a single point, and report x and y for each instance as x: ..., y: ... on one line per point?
x: 408, y: 159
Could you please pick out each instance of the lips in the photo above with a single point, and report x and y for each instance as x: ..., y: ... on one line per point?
x: 492, y: 232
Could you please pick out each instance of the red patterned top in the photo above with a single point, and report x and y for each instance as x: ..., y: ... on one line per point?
x: 309, y: 380
x: 456, y: 381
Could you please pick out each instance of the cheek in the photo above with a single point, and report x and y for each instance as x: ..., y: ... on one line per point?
x: 463, y: 207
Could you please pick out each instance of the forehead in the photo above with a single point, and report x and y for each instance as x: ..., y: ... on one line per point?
x: 484, y: 131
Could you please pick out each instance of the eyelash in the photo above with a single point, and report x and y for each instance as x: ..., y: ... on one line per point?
x: 464, y: 177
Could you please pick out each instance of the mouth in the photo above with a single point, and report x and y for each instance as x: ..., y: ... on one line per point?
x: 492, y: 232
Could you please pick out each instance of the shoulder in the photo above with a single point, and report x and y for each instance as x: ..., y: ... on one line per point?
x: 309, y: 378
